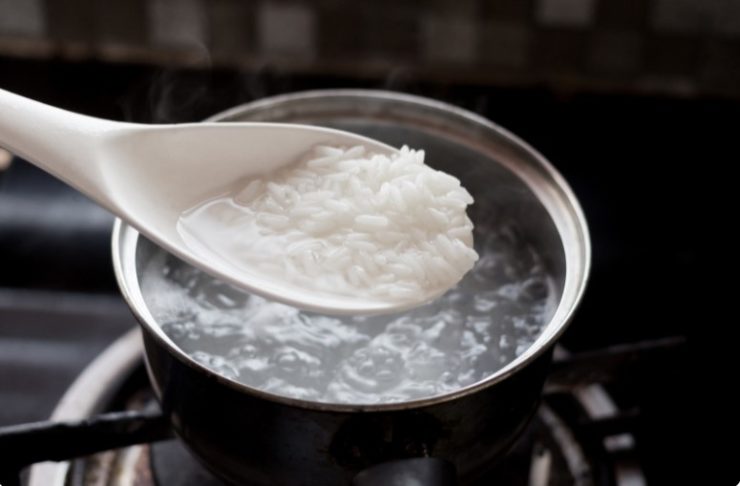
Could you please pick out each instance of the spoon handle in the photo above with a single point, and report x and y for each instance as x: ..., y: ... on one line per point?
x: 60, y: 142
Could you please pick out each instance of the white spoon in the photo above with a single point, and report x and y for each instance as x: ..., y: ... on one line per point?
x: 149, y: 174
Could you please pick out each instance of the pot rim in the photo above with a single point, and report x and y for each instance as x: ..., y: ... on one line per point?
x: 555, y: 194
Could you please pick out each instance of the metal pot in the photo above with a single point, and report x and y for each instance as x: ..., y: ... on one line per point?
x: 245, y: 435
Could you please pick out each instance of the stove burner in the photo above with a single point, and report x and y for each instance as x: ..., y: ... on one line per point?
x: 564, y: 444
x: 548, y: 455
x: 173, y: 465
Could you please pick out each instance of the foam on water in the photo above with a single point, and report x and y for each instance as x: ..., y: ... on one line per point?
x: 492, y: 316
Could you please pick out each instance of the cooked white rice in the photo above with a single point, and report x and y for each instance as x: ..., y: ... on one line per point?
x: 355, y: 223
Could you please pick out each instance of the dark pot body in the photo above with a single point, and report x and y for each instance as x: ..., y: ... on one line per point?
x: 250, y: 440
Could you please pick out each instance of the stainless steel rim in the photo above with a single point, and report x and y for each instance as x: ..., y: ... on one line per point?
x: 539, y: 175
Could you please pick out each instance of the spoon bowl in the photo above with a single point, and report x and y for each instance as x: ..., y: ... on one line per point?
x: 149, y: 175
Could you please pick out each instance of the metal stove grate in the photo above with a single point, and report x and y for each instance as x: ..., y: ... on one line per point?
x: 579, y: 437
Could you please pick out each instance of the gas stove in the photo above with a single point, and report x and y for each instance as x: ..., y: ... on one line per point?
x: 612, y: 402
x: 579, y: 436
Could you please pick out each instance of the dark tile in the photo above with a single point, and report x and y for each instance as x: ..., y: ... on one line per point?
x: 505, y: 43
x: 615, y: 51
x: 623, y: 14
x: 574, y: 14
x: 673, y: 55
x: 122, y: 22
x: 71, y: 20
x: 232, y: 26
x: 391, y: 32
x: 728, y: 18
x: 448, y: 40
x: 560, y: 50
x: 720, y: 70
x: 378, y: 31
x: 506, y: 10
x: 339, y: 35
x: 683, y: 16
x: 445, y: 7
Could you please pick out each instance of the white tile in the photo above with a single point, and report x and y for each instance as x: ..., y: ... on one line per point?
x: 177, y: 22
x: 448, y: 39
x: 286, y: 29
x: 22, y: 17
x: 565, y: 13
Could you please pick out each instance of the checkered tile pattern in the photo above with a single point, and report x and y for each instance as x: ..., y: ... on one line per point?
x: 687, y: 46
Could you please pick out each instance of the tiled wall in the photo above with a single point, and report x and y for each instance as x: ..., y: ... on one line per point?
x: 681, y: 47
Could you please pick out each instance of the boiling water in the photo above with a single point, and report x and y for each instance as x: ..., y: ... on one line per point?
x: 492, y: 316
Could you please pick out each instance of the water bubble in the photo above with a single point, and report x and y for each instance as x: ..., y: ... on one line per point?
x: 427, y: 363
x: 375, y: 368
x: 216, y: 363
x: 296, y: 363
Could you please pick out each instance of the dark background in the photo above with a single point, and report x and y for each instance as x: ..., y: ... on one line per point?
x: 635, y: 102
